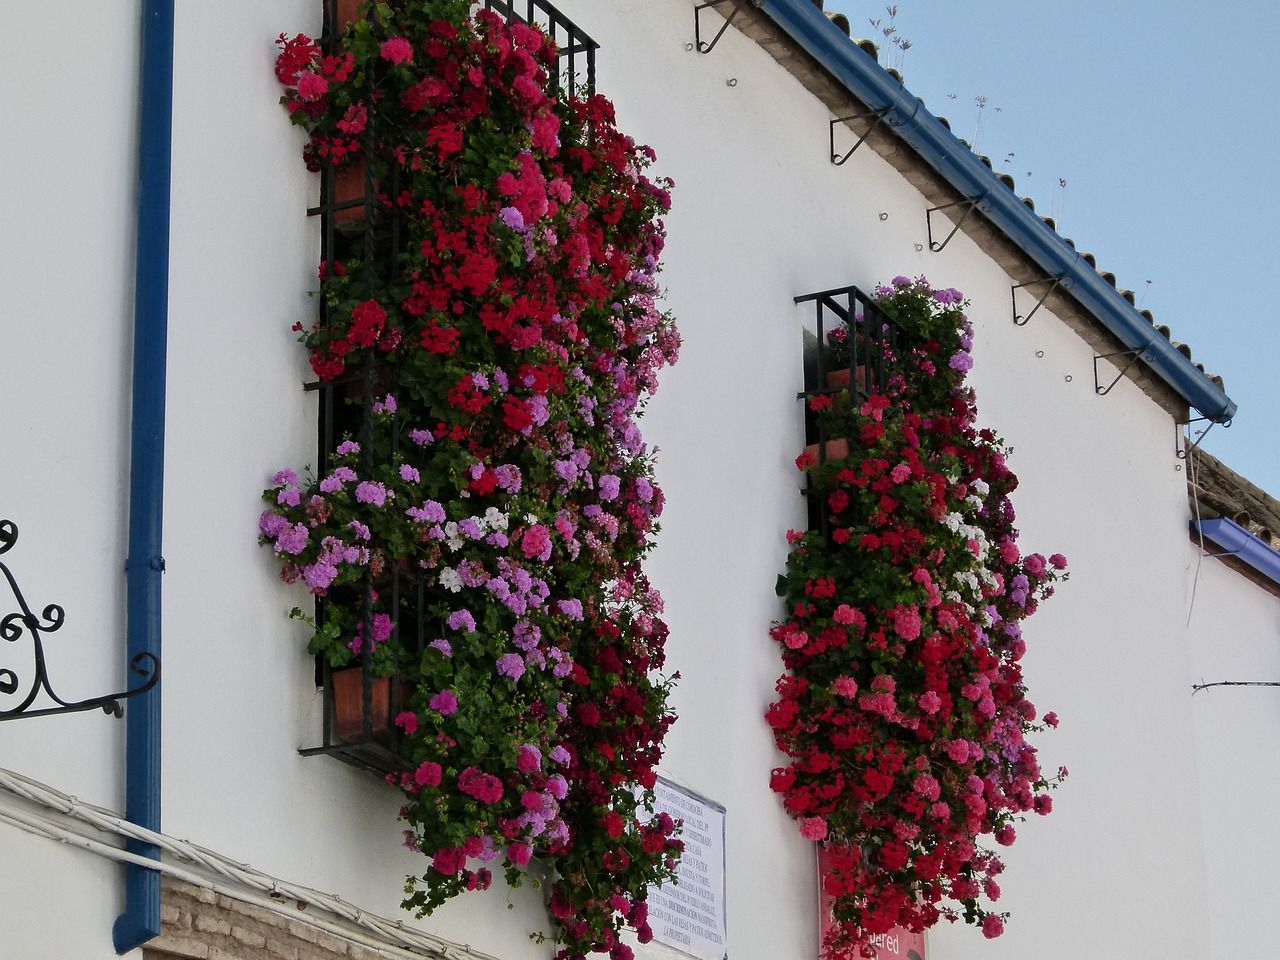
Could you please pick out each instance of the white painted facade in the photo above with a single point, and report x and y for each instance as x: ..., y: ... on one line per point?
x: 1162, y: 843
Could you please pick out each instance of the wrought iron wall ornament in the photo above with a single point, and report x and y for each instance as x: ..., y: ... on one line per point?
x: 23, y: 620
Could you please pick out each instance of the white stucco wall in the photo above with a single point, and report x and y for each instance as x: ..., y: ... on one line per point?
x: 1236, y: 637
x: 760, y: 217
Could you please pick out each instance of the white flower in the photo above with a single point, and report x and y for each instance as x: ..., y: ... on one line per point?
x: 980, y: 487
x: 450, y: 579
x: 454, y: 542
x: 495, y: 519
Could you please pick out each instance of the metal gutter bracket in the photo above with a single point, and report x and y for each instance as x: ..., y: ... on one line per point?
x: 1054, y: 282
x: 876, y: 117
x: 699, y: 44
x: 969, y: 206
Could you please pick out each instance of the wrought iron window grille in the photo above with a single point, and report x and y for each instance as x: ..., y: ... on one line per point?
x: 575, y: 48
x: 359, y: 707
x: 24, y: 620
x: 873, y: 343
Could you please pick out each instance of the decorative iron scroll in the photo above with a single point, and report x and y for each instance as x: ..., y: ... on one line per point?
x: 12, y: 628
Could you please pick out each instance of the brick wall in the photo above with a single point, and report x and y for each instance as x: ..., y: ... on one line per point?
x: 199, y: 924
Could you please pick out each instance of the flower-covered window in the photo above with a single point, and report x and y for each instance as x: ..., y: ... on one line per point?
x: 903, y: 715
x: 488, y: 332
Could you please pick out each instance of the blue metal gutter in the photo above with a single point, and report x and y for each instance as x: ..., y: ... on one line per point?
x: 936, y: 145
x: 1243, y: 545
x: 141, y: 920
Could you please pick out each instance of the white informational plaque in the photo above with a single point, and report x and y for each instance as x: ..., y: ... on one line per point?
x: 689, y: 915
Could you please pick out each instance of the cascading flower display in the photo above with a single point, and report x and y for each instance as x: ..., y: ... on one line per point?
x: 509, y: 341
x: 903, y: 712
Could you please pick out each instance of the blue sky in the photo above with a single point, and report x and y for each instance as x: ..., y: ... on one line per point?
x: 1162, y: 118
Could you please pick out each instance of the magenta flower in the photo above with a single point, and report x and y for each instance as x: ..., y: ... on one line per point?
x: 397, y: 49
x: 312, y: 86
x: 444, y: 703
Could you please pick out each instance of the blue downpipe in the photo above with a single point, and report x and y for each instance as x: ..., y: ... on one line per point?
x: 140, y: 921
x: 859, y: 73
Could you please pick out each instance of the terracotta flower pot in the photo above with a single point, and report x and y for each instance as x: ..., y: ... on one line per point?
x: 348, y: 185
x: 835, y: 450
x: 841, y: 378
x: 348, y: 704
x: 347, y: 11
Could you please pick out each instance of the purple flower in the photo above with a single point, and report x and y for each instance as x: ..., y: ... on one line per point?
x: 571, y: 608
x: 386, y: 405
x: 462, y: 618
x: 320, y: 574
x: 559, y: 755
x: 330, y: 484
x: 444, y: 703
x: 293, y: 540
x: 272, y: 524
x: 346, y: 447
x: 526, y: 635
x: 644, y: 489
x: 421, y: 437
x: 289, y: 496
x: 409, y: 474
x: 513, y: 219
x: 370, y: 491
x: 442, y: 645
x: 511, y: 665
x: 609, y: 486
x: 361, y: 531
x: 508, y: 477
x: 285, y: 477
x: 429, y: 512
x: 962, y: 362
